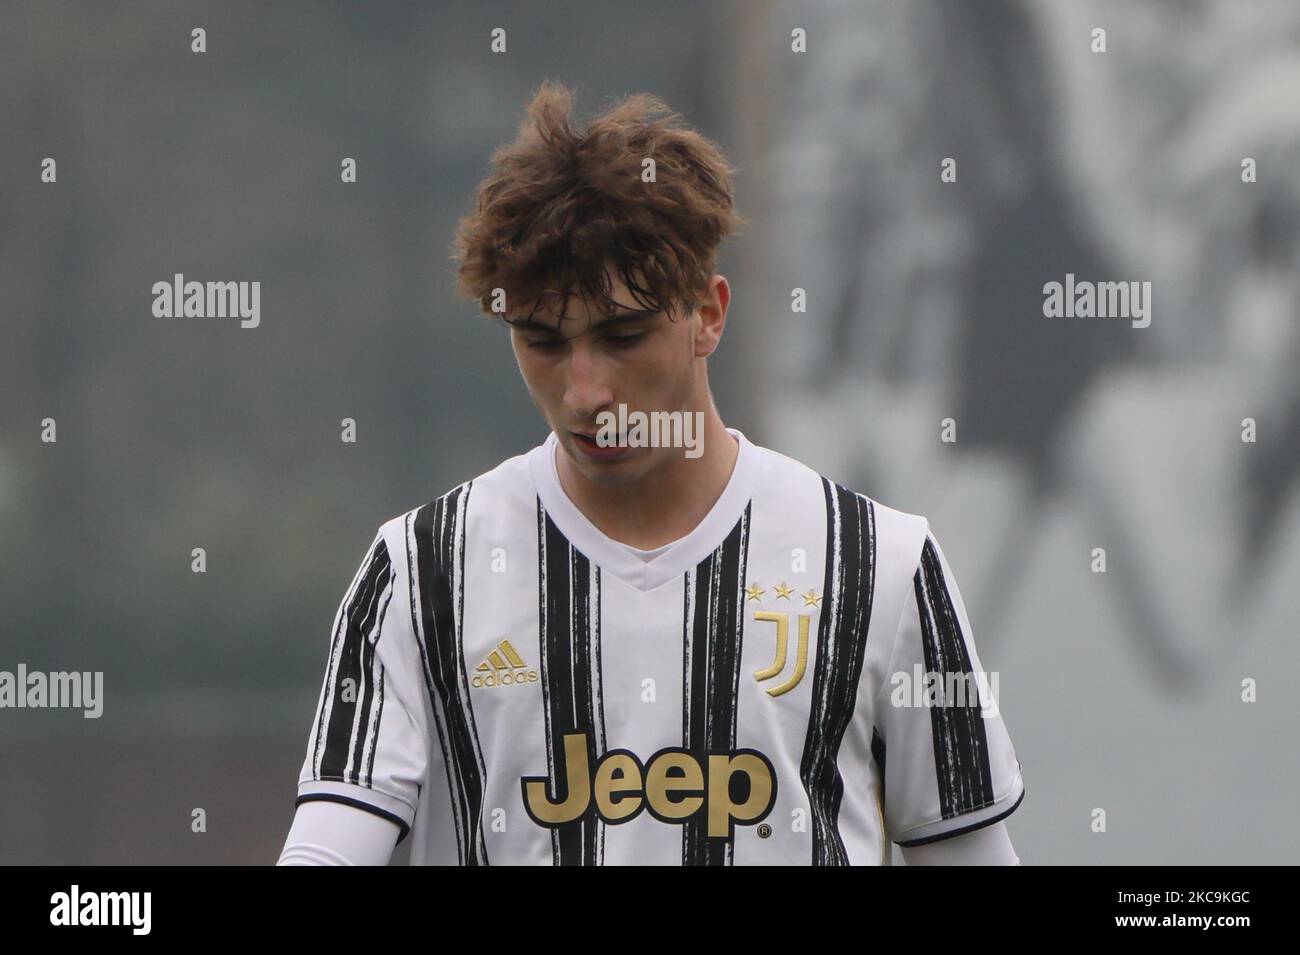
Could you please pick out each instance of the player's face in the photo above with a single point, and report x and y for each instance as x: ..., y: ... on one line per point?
x: 591, y: 364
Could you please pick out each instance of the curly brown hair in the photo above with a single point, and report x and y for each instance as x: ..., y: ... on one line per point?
x: 563, y: 208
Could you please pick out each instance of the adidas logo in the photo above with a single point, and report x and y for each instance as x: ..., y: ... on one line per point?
x: 503, y: 667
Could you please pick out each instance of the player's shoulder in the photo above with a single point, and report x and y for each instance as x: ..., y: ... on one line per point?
x: 899, y: 535
x: 506, y: 489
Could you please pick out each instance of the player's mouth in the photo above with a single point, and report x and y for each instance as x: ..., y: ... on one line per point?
x: 587, y: 445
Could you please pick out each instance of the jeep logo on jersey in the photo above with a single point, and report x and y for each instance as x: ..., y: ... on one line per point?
x: 503, y: 667
x: 738, y: 786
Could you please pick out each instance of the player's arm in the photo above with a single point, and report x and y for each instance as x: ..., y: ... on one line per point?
x: 367, y: 750
x: 331, y: 833
x: 988, y: 846
x: 948, y: 769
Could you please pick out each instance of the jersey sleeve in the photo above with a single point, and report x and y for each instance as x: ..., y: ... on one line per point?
x: 988, y: 846
x: 944, y: 753
x: 328, y: 833
x: 368, y: 743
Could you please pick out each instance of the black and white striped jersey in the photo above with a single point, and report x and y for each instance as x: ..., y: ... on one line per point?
x: 783, y: 685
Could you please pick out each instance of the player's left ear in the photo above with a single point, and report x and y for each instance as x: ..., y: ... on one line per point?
x: 710, y: 316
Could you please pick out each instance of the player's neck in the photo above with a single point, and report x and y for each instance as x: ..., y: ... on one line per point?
x: 668, y: 503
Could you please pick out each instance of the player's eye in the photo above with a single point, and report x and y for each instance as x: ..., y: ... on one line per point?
x: 623, y: 341
x: 546, y: 344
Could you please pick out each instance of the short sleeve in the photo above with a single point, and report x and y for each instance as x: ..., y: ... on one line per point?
x: 944, y: 752
x: 367, y: 746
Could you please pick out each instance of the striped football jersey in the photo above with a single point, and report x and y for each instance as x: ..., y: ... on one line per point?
x: 783, y: 685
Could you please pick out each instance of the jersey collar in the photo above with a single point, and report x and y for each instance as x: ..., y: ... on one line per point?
x: 612, y: 556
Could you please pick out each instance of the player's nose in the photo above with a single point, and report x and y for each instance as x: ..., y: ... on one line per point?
x: 588, y: 387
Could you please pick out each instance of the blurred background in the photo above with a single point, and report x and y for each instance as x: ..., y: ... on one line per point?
x: 1122, y: 690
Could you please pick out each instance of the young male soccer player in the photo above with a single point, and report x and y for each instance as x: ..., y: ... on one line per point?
x: 633, y: 645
